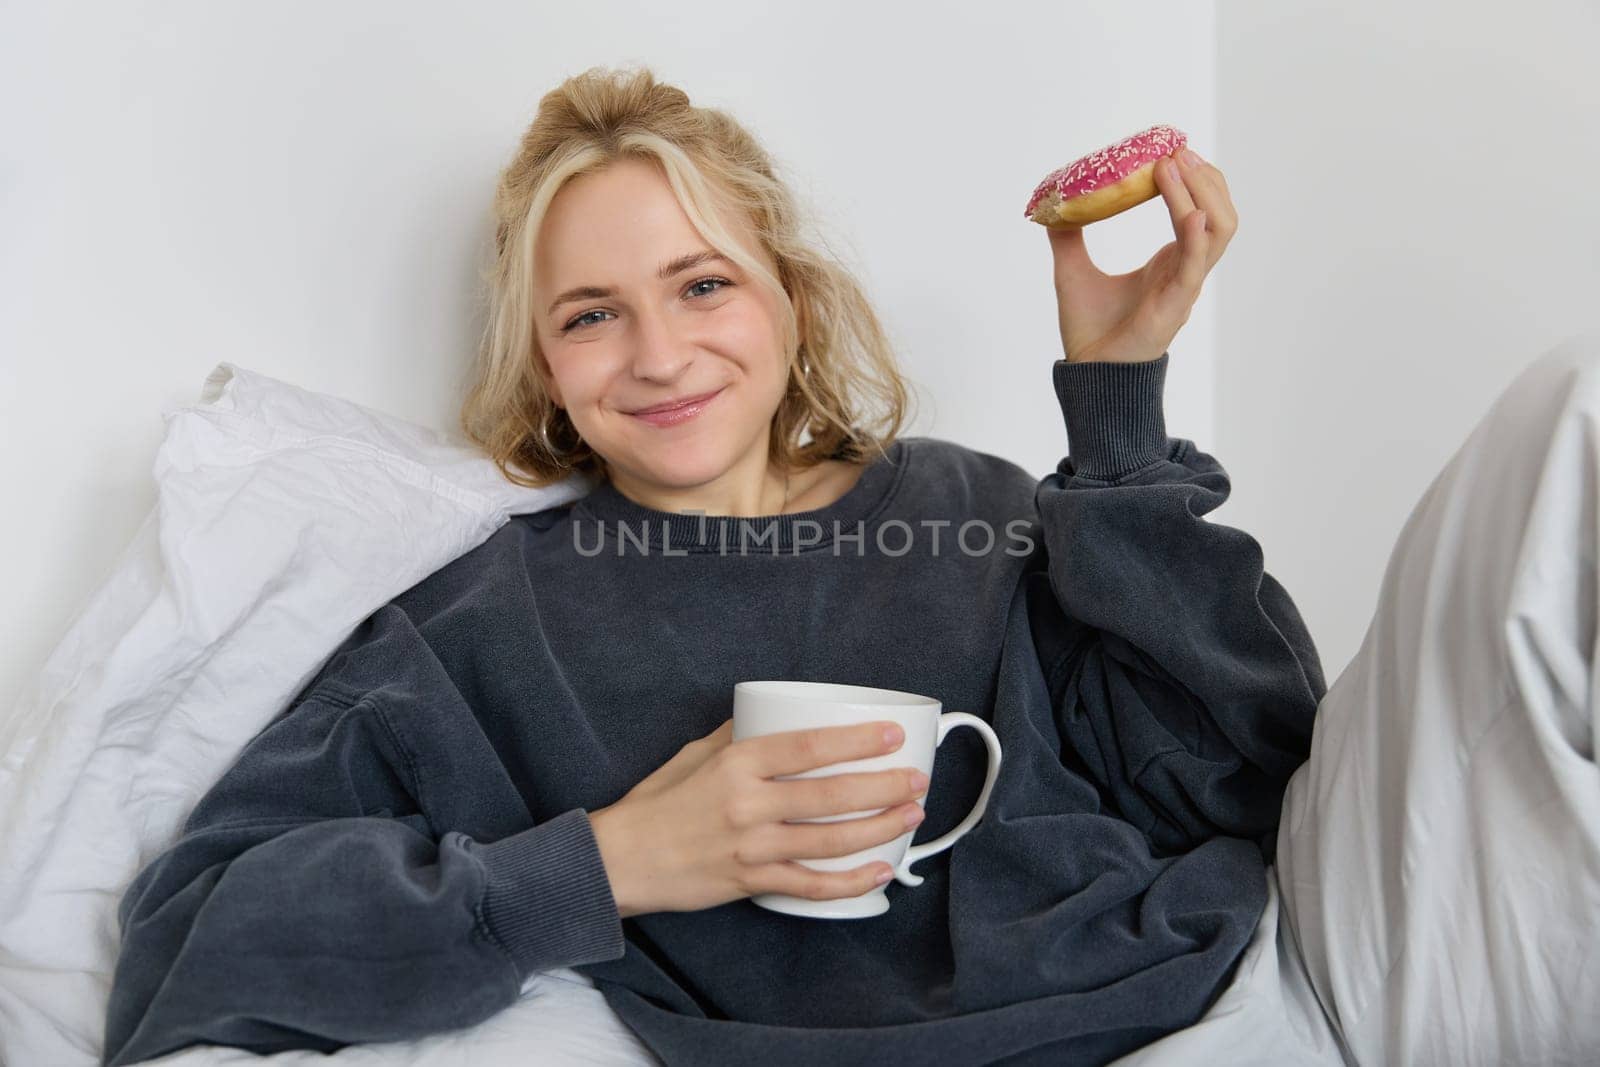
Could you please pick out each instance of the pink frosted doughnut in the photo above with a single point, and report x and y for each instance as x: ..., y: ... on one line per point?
x: 1105, y: 182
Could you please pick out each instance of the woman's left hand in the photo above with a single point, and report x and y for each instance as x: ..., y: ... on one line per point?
x: 1133, y: 317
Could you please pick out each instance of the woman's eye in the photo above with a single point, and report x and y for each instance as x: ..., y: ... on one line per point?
x: 707, y: 281
x: 579, y: 322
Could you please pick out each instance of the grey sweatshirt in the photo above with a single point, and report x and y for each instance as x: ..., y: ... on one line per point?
x: 409, y: 839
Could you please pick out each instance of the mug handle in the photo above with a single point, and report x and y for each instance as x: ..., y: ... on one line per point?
x: 947, y: 722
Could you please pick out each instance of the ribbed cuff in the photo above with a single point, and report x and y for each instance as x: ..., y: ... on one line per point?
x: 548, y: 899
x: 1114, y: 416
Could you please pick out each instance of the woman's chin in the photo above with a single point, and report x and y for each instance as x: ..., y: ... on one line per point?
x: 689, y: 464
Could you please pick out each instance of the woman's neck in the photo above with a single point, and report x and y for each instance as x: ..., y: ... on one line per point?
x: 803, y: 489
x: 747, y: 489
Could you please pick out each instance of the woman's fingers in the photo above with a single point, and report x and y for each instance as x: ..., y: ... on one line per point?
x: 1175, y: 191
x: 1208, y: 190
x: 827, y: 840
x: 1194, y: 259
x: 1190, y: 221
x: 798, y: 880
x: 835, y: 794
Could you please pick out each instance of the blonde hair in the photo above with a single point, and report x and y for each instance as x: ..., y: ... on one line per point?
x: 844, y: 387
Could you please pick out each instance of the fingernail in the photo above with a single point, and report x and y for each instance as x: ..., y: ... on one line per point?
x: 915, y: 816
x: 919, y: 781
x: 882, y: 877
x: 1189, y: 158
x: 892, y: 734
x: 1172, y: 170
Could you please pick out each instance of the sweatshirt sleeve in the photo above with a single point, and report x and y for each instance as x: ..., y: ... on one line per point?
x: 1182, y: 678
x: 308, y: 902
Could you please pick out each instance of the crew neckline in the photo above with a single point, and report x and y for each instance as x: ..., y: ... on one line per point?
x: 688, y: 532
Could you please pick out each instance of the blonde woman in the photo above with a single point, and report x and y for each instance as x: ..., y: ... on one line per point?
x: 525, y: 761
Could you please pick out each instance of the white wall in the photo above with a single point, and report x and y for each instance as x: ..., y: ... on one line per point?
x: 302, y: 189
x: 1415, y: 184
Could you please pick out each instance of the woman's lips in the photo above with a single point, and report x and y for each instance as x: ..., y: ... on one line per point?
x: 673, y: 416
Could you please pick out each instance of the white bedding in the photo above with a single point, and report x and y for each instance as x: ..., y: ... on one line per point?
x: 283, y: 518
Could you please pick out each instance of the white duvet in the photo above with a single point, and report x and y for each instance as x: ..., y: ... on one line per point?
x: 283, y: 518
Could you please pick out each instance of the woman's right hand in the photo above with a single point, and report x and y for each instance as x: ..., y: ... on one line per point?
x: 708, y: 826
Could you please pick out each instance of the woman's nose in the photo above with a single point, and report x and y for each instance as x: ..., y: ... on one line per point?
x: 658, y: 355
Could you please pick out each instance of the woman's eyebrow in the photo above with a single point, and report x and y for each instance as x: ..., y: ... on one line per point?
x: 667, y: 270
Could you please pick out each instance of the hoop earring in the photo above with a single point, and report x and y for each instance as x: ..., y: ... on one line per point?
x: 544, y: 438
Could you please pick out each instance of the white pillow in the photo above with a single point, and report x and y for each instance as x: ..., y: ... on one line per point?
x: 283, y: 519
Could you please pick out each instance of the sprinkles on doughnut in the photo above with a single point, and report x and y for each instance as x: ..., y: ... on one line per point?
x: 1106, y: 182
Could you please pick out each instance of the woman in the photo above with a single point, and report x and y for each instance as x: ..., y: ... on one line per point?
x: 525, y: 761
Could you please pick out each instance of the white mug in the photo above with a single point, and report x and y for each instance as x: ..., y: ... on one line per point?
x: 768, y: 707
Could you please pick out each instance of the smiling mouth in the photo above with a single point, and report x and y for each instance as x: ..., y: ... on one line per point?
x: 681, y: 412
x: 656, y: 409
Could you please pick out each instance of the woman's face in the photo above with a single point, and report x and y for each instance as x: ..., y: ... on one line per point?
x: 622, y: 337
